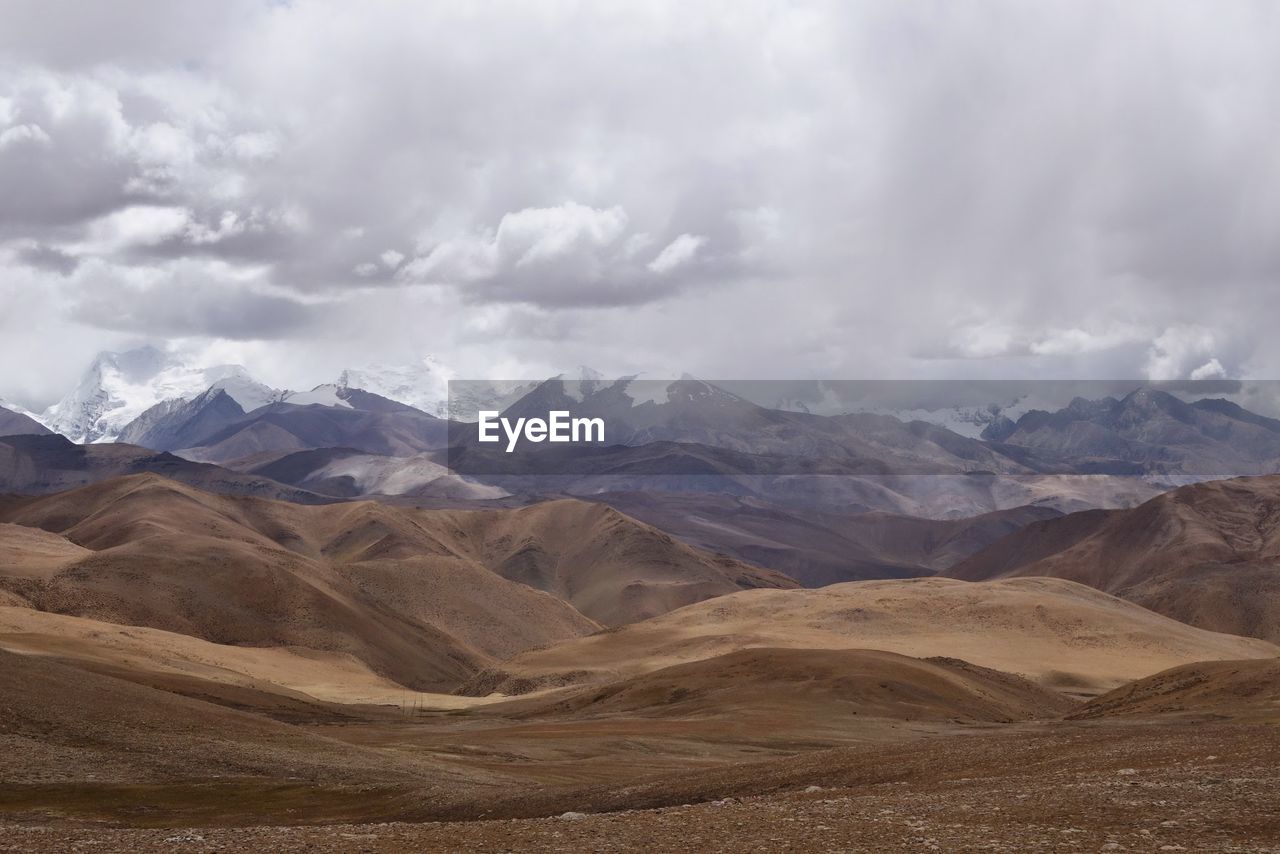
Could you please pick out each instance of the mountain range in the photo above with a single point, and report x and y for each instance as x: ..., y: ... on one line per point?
x: 154, y: 398
x: 121, y: 393
x: 685, y: 436
x: 1152, y: 429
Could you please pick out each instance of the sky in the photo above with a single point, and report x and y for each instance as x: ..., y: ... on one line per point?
x: 740, y: 189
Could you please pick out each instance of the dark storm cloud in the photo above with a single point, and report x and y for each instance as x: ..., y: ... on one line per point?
x: 739, y: 189
x: 47, y: 258
x: 187, y: 306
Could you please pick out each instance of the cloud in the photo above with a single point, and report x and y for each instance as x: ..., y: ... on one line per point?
x: 873, y: 189
x: 46, y: 258
x: 570, y: 254
x: 1184, y: 352
x: 187, y: 298
x: 18, y: 134
x: 1210, y: 370
x: 677, y: 253
x: 571, y: 235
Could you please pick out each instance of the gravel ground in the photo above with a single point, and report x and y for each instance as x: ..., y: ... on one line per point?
x: 1136, y: 789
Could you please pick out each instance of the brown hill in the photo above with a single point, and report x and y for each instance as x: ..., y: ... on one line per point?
x: 1236, y: 689
x: 422, y: 597
x: 1205, y: 554
x: 365, y: 580
x: 609, y: 566
x: 148, y: 655
x: 816, y: 682
x: 138, y: 734
x: 1055, y: 632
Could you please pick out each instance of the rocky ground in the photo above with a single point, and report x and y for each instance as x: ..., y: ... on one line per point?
x: 1187, y: 786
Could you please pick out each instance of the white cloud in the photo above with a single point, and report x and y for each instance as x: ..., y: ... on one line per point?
x: 23, y: 133
x: 1180, y: 352
x: 536, y: 235
x: 138, y: 225
x: 677, y: 253
x: 1210, y: 370
x: 1075, y: 340
x: 570, y: 253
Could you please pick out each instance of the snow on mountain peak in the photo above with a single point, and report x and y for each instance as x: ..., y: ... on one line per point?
x: 325, y: 395
x: 118, y: 387
x: 423, y: 385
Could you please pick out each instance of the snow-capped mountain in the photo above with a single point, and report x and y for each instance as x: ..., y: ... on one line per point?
x: 118, y: 387
x: 423, y: 385
x: 325, y: 395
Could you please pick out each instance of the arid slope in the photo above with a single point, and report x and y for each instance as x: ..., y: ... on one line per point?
x: 1207, y: 554
x: 1058, y: 633
x: 609, y: 566
x: 1222, y: 689
x: 421, y: 597
x: 364, y: 580
x: 831, y: 683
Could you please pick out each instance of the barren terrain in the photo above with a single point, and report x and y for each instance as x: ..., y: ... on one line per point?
x: 188, y: 671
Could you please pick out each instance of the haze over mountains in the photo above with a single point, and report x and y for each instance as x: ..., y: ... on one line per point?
x: 1152, y: 429
x: 338, y: 441
x: 1144, y: 430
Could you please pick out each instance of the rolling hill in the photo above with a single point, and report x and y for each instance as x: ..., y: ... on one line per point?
x: 421, y: 597
x: 1055, y: 632
x: 609, y: 566
x: 271, y: 574
x: 1221, y: 689
x: 830, y: 683
x: 1206, y: 554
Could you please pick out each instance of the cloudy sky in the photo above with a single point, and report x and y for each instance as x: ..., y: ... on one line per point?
x: 738, y: 189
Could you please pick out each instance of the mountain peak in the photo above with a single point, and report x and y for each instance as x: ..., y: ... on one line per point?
x: 120, y: 386
x: 423, y: 384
